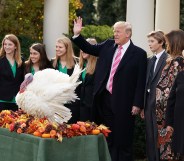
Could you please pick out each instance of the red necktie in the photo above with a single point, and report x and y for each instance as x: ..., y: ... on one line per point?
x: 115, y: 64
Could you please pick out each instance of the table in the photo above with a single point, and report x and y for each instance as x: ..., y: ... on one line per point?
x: 25, y: 147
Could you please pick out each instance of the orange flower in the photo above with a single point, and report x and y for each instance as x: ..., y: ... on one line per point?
x: 19, y: 130
x: 83, y: 128
x: 37, y: 133
x: 53, y: 133
x: 41, y: 129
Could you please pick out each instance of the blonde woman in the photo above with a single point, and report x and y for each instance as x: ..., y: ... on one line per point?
x: 64, y: 61
x: 89, y: 63
x: 11, y: 72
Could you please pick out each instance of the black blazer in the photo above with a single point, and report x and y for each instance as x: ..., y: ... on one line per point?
x: 86, y: 96
x: 9, y: 85
x: 175, y: 113
x: 87, y: 89
x: 150, y: 107
x: 160, y: 65
x: 128, y: 84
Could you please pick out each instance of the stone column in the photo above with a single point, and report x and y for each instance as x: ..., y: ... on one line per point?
x: 167, y: 15
x: 56, y: 22
x: 140, y: 13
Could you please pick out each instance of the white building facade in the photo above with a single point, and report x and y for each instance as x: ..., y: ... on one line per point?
x: 144, y: 15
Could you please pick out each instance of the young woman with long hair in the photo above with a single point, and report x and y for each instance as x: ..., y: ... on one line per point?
x: 11, y: 72
x: 37, y: 60
x: 89, y: 63
x: 64, y: 60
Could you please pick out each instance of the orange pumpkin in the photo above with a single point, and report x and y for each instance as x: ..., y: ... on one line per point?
x: 95, y: 132
x: 37, y: 133
x: 53, y: 133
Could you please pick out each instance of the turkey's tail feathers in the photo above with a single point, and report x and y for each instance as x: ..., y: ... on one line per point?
x: 76, y: 73
x: 60, y: 113
x: 38, y: 107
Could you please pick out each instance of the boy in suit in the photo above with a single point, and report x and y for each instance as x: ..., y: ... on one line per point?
x: 156, y: 63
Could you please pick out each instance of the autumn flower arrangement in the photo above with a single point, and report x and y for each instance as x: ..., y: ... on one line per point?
x: 21, y: 122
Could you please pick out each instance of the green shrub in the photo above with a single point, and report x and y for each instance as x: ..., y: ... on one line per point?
x: 25, y: 43
x: 139, y: 139
x: 100, y: 33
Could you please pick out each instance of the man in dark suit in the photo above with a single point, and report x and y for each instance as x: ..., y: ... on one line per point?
x: 156, y: 63
x: 119, y: 85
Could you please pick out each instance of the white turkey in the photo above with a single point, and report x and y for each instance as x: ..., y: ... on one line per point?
x: 45, y: 93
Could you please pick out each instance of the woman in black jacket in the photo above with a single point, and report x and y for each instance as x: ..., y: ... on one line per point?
x: 89, y: 63
x: 175, y: 115
x: 11, y: 72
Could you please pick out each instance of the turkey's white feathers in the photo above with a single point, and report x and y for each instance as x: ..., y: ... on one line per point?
x: 46, y: 95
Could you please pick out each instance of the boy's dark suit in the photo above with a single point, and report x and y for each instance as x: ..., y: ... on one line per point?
x: 150, y: 113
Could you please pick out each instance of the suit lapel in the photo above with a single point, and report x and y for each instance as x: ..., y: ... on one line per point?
x: 128, y: 54
x: 159, y: 64
x: 150, y: 61
x: 8, y: 67
x: 110, y: 55
x: 88, y: 79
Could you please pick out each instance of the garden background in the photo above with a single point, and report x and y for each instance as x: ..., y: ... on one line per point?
x: 24, y: 18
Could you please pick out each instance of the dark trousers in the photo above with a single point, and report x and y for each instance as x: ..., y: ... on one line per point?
x: 118, y: 153
x: 85, y: 112
x: 107, y: 114
x: 8, y: 106
x: 152, y: 151
x: 75, y: 109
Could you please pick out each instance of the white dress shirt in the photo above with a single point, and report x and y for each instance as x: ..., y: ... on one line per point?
x: 123, y: 50
x: 158, y: 57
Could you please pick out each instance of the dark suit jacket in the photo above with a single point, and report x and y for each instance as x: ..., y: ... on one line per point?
x: 150, y: 110
x: 87, y: 87
x: 128, y: 84
x: 160, y: 65
x: 9, y: 85
x: 175, y: 113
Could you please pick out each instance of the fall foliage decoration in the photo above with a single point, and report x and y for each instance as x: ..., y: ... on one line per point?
x: 22, y: 122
